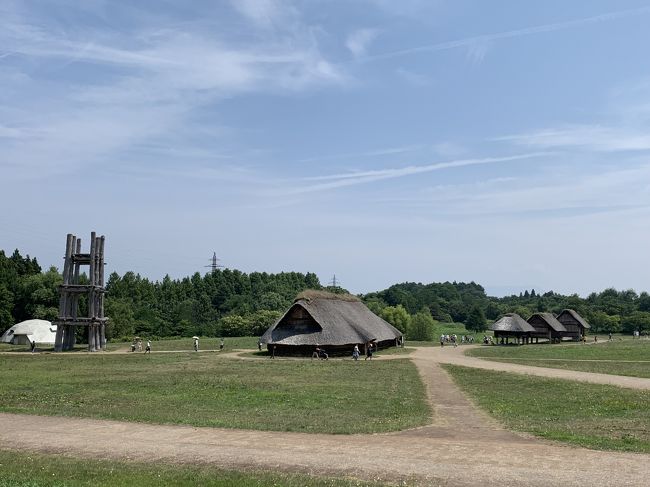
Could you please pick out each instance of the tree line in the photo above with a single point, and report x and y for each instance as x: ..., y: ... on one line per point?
x: 232, y: 303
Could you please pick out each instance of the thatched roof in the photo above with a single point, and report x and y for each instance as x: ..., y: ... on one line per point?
x: 310, y: 294
x: 513, y: 323
x: 331, y: 320
x: 574, y: 314
x: 550, y: 320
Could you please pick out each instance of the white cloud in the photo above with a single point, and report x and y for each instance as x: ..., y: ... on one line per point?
x: 359, y: 40
x: 577, y: 193
x: 363, y: 177
x: 477, y: 51
x: 384, y: 151
x: 595, y: 138
x: 263, y: 13
x: 146, y: 83
x: 481, y: 40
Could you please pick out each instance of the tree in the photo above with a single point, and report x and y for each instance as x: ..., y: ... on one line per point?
x: 39, y: 295
x: 602, y: 322
x: 643, y: 303
x: 493, y: 310
x: 261, y: 320
x: 6, y: 307
x: 639, y: 320
x: 121, y: 324
x: 476, y: 320
x: 398, y: 317
x: 422, y: 326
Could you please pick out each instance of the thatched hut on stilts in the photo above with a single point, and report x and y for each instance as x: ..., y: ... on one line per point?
x: 511, y: 325
x: 546, y: 326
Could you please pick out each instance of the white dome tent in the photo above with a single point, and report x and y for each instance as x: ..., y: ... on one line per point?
x: 25, y: 332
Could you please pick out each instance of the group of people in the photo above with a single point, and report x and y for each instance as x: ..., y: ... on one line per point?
x: 371, y: 347
x: 196, y: 344
x: 453, y: 339
x: 136, y: 344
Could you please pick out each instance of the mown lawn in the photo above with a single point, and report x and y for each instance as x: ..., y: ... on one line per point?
x: 21, y: 469
x: 205, y: 343
x: 173, y: 344
x: 206, y: 389
x: 590, y: 415
x: 447, y: 329
x: 618, y: 357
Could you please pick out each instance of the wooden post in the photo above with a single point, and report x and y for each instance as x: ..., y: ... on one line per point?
x: 60, y: 329
x: 101, y: 294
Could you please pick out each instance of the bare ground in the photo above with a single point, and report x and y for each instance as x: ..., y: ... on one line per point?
x: 462, y: 446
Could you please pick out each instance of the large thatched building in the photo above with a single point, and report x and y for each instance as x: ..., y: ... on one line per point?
x: 330, y: 321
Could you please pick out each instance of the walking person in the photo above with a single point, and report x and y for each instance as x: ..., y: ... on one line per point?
x: 33, y: 345
x: 355, y: 353
x: 148, y: 349
x: 196, y: 344
x: 221, y: 345
x: 442, y: 340
x: 368, y: 351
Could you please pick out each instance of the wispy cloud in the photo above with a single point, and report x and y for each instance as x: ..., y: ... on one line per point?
x: 359, y: 40
x: 364, y: 177
x: 384, y: 151
x: 481, y: 40
x: 263, y: 13
x: 596, y: 138
x: 615, y: 190
x: 146, y: 82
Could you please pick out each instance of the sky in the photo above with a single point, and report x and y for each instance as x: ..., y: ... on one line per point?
x: 502, y: 142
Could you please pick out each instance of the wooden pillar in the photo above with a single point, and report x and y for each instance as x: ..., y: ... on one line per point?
x: 91, y: 338
x: 60, y: 331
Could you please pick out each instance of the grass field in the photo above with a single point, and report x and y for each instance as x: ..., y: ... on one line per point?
x: 20, y: 469
x: 619, y: 357
x: 205, y: 389
x: 173, y: 344
x: 205, y: 343
x: 447, y: 329
x: 590, y: 415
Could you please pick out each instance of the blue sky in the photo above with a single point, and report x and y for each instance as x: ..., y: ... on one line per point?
x: 503, y: 142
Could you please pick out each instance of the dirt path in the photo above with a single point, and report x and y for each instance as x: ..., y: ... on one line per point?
x: 456, y: 356
x: 462, y: 447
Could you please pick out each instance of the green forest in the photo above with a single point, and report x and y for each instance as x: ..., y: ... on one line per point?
x: 232, y: 303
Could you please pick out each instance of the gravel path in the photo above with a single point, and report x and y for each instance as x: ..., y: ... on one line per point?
x: 462, y: 446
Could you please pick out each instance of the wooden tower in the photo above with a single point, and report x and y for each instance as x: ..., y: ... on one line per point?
x: 71, y: 290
